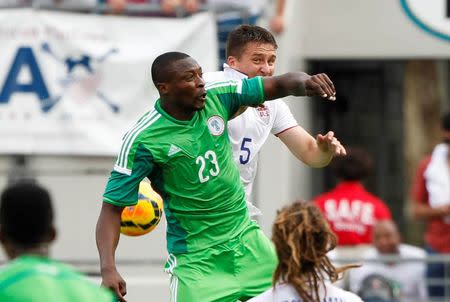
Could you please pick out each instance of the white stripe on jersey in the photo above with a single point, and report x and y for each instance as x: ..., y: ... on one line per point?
x: 223, y: 84
x: 172, y: 261
x: 150, y: 122
x: 122, y: 160
x: 173, y: 288
x: 239, y: 87
x: 122, y: 170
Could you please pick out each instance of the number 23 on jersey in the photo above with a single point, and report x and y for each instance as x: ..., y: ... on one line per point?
x: 204, y: 173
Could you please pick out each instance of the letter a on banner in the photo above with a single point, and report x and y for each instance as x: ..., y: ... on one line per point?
x: 24, y: 58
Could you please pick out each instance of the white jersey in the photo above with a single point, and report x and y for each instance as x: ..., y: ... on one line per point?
x: 286, y: 293
x: 409, y: 276
x: 250, y: 130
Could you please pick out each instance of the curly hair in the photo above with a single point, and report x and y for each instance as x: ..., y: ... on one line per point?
x: 302, y: 239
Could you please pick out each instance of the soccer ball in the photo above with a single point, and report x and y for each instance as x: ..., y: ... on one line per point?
x: 144, y: 216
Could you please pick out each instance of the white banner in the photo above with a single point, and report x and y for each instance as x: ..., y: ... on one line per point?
x: 73, y: 83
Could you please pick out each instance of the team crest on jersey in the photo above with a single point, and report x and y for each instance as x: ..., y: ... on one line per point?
x: 263, y: 113
x: 216, y: 125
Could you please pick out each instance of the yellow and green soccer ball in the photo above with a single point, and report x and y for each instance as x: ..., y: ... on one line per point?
x: 144, y: 216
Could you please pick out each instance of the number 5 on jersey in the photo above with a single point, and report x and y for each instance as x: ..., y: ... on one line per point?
x: 201, y: 160
x: 245, y: 157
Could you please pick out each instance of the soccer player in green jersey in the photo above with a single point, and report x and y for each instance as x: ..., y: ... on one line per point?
x: 216, y: 253
x: 26, y: 232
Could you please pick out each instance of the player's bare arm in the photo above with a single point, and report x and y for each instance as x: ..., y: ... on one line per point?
x: 424, y: 211
x: 107, y: 237
x: 316, y: 153
x: 277, y: 24
x: 299, y: 84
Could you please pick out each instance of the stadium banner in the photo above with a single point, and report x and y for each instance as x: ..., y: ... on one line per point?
x: 430, y: 16
x: 72, y: 84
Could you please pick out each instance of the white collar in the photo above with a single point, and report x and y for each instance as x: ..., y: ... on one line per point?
x: 233, y: 73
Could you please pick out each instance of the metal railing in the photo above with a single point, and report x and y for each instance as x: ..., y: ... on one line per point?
x: 129, y: 9
x: 443, y: 259
x: 91, y: 268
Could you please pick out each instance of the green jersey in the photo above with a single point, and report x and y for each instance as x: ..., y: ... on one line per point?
x: 39, y: 279
x: 190, y: 164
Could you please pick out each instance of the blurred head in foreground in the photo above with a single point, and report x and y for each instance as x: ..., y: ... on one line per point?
x: 302, y: 240
x: 26, y: 220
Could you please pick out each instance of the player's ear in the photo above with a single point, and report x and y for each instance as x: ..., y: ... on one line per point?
x: 163, y: 88
x: 2, y: 237
x: 7, y: 246
x: 52, y: 234
x: 231, y: 61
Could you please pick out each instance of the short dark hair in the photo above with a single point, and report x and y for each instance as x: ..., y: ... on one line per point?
x: 356, y: 165
x: 162, y: 64
x: 244, y: 34
x: 446, y: 122
x: 26, y: 214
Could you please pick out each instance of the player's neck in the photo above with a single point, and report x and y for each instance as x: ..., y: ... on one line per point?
x: 40, y: 251
x: 176, y: 112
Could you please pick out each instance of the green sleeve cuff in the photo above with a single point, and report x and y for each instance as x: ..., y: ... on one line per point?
x: 261, y: 89
x: 119, y: 204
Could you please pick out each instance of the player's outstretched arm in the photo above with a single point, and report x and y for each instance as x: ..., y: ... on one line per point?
x: 424, y: 211
x: 107, y: 237
x: 316, y: 153
x: 299, y: 84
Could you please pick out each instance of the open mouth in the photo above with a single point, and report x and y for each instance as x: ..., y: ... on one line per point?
x: 202, y: 96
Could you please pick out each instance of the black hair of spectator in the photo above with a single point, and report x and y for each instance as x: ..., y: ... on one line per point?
x: 26, y: 214
x: 244, y: 34
x: 354, y: 166
x: 446, y: 121
x: 161, y: 67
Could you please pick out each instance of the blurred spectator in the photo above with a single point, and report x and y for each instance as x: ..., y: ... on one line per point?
x: 26, y: 233
x: 277, y: 22
x: 245, y: 12
x: 67, y: 2
x: 191, y: 6
x: 431, y: 202
x: 408, y: 277
x: 229, y: 14
x: 378, y: 288
x: 14, y: 3
x: 75, y: 4
x: 167, y: 8
x: 302, y: 239
x: 349, y: 208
